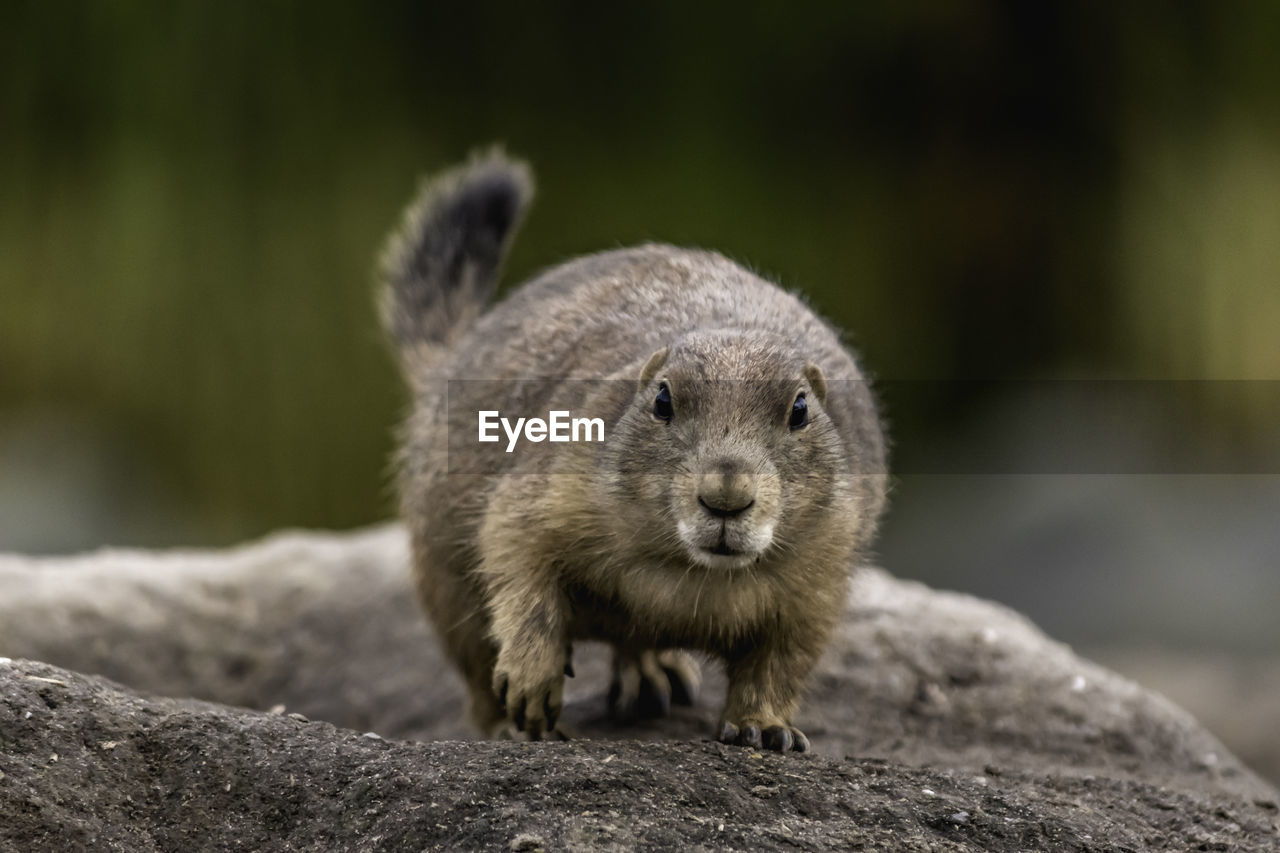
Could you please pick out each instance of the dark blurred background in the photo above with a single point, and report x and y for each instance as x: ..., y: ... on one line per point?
x: 989, y: 196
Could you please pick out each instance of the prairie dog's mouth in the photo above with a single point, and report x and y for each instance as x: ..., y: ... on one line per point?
x: 719, y: 544
x: 722, y: 559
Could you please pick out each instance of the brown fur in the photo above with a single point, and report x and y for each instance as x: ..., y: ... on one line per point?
x: 518, y: 555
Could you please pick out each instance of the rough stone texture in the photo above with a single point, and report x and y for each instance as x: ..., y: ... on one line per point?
x: 325, y: 624
x: 1237, y: 697
x: 939, y: 722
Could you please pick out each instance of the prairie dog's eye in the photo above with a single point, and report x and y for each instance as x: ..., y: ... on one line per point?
x: 662, y: 404
x: 799, y: 413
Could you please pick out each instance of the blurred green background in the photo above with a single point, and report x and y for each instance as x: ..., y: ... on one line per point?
x: 193, y: 195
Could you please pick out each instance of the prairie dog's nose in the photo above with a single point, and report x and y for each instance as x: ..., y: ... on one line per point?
x: 726, y: 489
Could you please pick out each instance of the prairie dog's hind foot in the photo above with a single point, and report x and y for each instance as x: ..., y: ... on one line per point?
x: 645, y: 685
x: 506, y: 730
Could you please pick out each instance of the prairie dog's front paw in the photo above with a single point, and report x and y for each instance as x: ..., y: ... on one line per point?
x: 531, y: 693
x: 780, y: 737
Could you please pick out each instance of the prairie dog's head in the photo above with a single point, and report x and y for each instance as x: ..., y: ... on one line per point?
x: 727, y: 457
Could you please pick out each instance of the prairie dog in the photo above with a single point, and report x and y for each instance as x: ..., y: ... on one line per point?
x: 743, y: 466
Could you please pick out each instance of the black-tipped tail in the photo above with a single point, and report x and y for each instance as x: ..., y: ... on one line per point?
x: 440, y: 267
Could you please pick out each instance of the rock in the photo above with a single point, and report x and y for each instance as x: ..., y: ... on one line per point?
x: 920, y: 691
x: 1236, y: 696
x: 323, y: 624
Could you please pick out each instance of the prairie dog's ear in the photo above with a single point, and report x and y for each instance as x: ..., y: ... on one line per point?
x: 652, y: 366
x: 817, y: 381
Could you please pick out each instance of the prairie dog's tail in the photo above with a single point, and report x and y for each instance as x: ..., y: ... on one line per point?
x: 439, y: 268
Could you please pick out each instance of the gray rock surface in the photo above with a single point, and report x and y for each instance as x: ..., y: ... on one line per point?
x: 939, y: 722
x: 1237, y: 697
